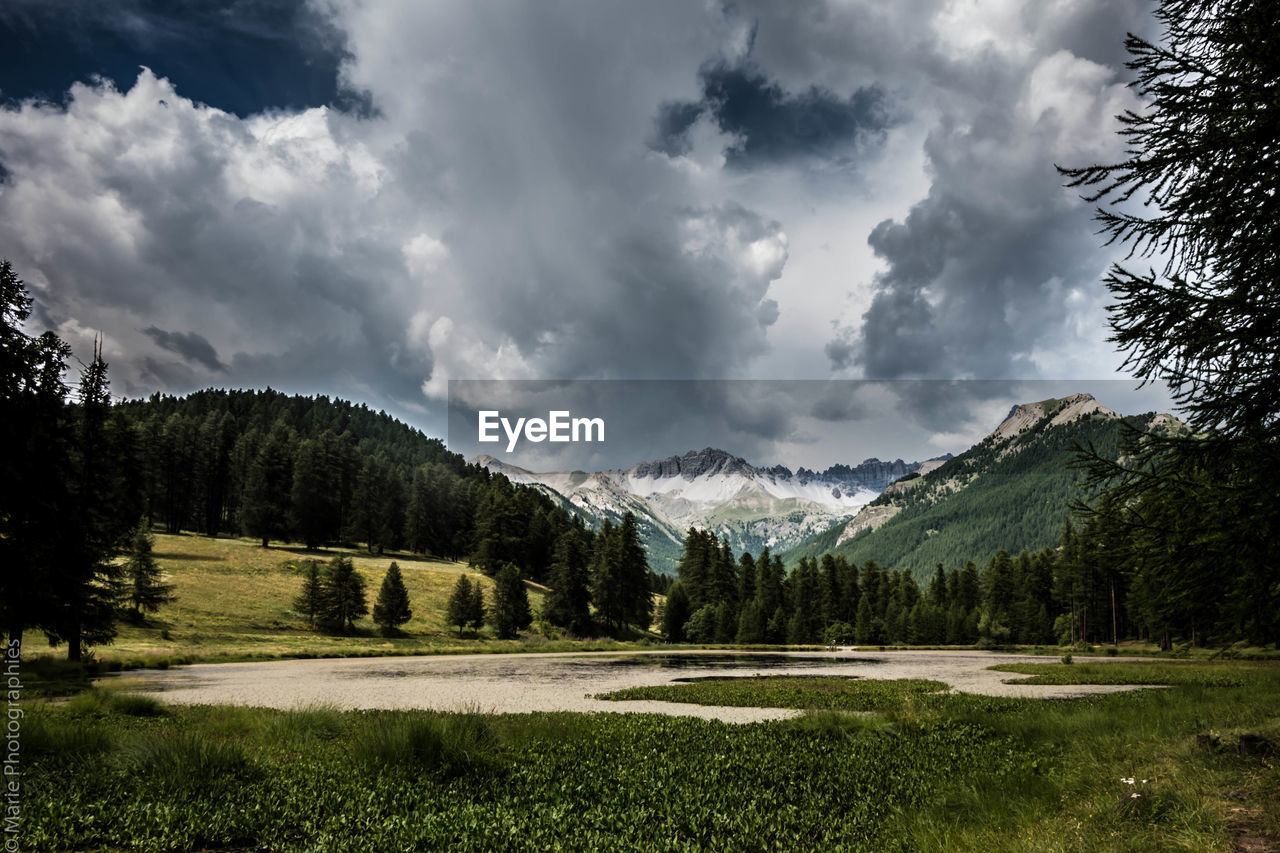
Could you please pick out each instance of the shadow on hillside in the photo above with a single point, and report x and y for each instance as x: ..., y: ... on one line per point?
x: 189, y: 558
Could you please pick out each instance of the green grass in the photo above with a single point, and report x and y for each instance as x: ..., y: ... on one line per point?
x: 829, y: 693
x: 233, y: 602
x: 1225, y: 674
x: 926, y: 770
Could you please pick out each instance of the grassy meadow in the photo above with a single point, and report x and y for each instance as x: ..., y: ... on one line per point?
x: 234, y: 602
x: 871, y: 766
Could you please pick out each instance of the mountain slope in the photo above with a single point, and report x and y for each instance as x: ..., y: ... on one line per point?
x: 1011, y: 491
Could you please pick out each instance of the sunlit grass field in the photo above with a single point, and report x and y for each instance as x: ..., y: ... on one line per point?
x: 234, y: 600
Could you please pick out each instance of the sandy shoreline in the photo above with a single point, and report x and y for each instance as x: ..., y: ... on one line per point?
x: 565, y: 681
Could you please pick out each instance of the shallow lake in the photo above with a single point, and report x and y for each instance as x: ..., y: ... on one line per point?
x: 515, y: 683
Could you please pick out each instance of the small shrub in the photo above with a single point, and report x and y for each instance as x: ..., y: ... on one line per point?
x: 89, y: 702
x: 306, y: 724
x: 1112, y: 651
x: 1066, y: 658
x: 185, y: 760
x: 42, y: 736
x: 448, y: 745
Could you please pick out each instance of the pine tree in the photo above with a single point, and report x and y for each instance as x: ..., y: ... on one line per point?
x: 315, y: 508
x: 675, y: 613
x: 88, y: 584
x: 864, y: 630
x: 391, y: 610
x: 511, y: 613
x: 144, y: 588
x: 36, y: 471
x: 568, y: 604
x: 458, y: 611
x: 1202, y: 158
x: 633, y: 571
x: 343, y: 596
x: 269, y: 483
x: 476, y: 607
x: 310, y: 602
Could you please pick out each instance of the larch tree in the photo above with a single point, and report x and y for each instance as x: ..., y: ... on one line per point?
x: 1196, y: 194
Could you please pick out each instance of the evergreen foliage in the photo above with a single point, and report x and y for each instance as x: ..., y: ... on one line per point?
x: 568, y: 604
x: 391, y: 610
x: 342, y: 596
x: 458, y: 610
x: 330, y: 472
x: 620, y: 576
x: 144, y: 588
x: 1190, y: 521
x: 511, y: 613
x: 475, y: 607
x: 675, y: 613
x: 310, y: 601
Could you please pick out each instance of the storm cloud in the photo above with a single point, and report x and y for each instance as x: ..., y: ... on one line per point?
x: 191, y: 346
x: 768, y: 125
x: 371, y: 199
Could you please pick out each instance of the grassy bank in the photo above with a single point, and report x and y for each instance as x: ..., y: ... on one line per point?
x: 914, y: 770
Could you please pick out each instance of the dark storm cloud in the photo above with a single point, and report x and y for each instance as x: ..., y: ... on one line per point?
x: 971, y: 269
x: 190, y: 346
x: 505, y: 212
x: 242, y: 56
x: 769, y: 124
x: 986, y: 273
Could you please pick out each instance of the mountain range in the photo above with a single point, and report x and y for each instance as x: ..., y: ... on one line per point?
x: 1012, y: 490
x: 752, y: 507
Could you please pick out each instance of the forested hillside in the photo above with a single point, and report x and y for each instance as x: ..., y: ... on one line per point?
x: 273, y: 466
x: 1011, y: 492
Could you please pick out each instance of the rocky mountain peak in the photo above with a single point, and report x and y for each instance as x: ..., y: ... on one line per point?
x: 1061, y: 410
x: 695, y: 463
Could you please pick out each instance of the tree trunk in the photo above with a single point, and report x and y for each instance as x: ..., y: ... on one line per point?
x: 73, y: 645
x: 1115, y: 636
x: 264, y: 541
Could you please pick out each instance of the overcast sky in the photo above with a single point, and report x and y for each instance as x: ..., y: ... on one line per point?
x: 368, y: 199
